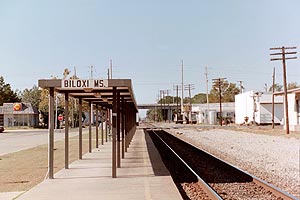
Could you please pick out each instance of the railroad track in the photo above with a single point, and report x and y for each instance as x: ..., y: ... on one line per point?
x: 200, y: 175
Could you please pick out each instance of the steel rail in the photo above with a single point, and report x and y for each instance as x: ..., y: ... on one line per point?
x: 258, y: 181
x: 211, y: 193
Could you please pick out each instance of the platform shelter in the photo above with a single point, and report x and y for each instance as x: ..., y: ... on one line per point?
x: 113, y: 97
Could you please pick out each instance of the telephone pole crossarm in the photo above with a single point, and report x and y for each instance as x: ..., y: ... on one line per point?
x: 218, y: 83
x: 283, y: 57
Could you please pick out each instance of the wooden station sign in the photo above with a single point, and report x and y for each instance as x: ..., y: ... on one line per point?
x: 81, y: 84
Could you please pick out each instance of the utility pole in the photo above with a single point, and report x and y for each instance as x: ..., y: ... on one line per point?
x: 75, y: 74
x: 177, y: 88
x: 273, y: 90
x: 207, y: 100
x: 163, y: 100
x: 182, y: 87
x: 218, y: 83
x: 266, y: 87
x: 173, y: 95
x: 177, y: 99
x: 110, y: 68
x: 241, y: 87
x: 168, y: 105
x: 155, y: 111
x: 160, y: 100
x: 164, y: 105
x: 91, y: 71
x: 283, y: 57
x: 190, y: 87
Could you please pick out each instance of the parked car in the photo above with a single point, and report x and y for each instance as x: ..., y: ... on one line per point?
x: 1, y: 129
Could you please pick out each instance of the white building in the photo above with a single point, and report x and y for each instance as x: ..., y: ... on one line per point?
x: 293, y: 108
x: 257, y: 107
x: 210, y: 113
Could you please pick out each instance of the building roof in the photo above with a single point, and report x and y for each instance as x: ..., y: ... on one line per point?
x: 227, y: 106
x: 267, y: 99
x: 296, y: 90
x: 260, y: 97
x: 26, y: 108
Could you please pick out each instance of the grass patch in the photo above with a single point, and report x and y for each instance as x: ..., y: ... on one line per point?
x: 22, y: 170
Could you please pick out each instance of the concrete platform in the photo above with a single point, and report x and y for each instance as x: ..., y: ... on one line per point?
x: 142, y: 176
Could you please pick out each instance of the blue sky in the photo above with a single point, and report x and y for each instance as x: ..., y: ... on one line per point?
x: 147, y: 41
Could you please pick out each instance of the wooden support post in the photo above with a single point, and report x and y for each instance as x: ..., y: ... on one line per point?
x: 51, y: 134
x: 114, y: 133
x: 101, y: 125
x: 66, y: 130
x: 90, y: 127
x: 80, y: 128
x: 106, y: 121
x: 118, y: 130
x: 97, y: 127
x: 127, y: 121
x: 123, y: 127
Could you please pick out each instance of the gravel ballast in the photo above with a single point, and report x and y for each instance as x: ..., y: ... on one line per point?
x: 274, y: 159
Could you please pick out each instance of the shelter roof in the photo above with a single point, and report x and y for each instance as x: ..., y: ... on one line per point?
x: 96, y: 91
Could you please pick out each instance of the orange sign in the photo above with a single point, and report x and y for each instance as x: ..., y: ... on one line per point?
x: 17, y: 106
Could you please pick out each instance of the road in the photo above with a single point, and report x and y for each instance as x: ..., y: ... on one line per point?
x: 17, y: 140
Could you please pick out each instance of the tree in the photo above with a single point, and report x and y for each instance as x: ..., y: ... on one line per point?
x: 154, y: 115
x: 32, y: 96
x: 166, y: 100
x: 199, y: 98
x: 7, y: 94
x: 292, y: 85
x: 186, y: 100
x: 66, y: 73
x: 228, y: 92
x: 277, y: 88
x: 44, y: 101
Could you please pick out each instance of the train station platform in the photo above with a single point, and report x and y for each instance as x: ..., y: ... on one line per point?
x: 142, y: 176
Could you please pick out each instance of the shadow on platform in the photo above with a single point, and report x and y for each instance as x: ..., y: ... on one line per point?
x: 158, y: 166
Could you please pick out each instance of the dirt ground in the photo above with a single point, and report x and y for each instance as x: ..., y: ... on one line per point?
x: 22, y: 170
x: 267, y: 130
